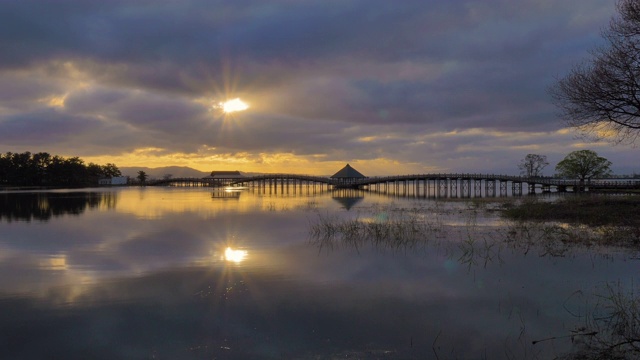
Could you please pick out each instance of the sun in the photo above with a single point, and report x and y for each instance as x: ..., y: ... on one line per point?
x: 234, y: 255
x: 234, y: 105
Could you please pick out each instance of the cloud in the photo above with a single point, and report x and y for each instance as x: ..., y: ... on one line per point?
x: 86, y: 79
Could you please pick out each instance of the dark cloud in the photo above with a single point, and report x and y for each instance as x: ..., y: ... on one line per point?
x: 46, y: 125
x: 104, y: 79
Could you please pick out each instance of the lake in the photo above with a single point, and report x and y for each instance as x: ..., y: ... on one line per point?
x: 201, y: 273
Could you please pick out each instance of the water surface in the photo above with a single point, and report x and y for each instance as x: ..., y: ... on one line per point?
x: 196, y: 273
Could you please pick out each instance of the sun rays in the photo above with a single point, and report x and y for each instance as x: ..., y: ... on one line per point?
x: 233, y: 105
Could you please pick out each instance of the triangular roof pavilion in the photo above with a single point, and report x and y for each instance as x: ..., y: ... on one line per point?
x: 226, y: 175
x: 348, y: 172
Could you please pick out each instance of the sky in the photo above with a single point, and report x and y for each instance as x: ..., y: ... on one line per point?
x: 390, y: 87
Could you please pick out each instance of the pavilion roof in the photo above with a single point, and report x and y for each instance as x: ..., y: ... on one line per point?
x: 226, y: 174
x: 348, y: 172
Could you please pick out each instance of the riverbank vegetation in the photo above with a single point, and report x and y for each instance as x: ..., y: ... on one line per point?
x: 611, y: 328
x: 592, y: 210
x: 476, y: 232
x: 45, y: 170
x: 587, y: 219
x: 551, y: 224
x: 399, y: 229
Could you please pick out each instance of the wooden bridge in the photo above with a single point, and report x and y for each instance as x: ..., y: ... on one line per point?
x: 450, y: 184
x: 264, y: 180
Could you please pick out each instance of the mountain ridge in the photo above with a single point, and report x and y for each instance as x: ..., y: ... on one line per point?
x: 160, y: 172
x: 174, y: 171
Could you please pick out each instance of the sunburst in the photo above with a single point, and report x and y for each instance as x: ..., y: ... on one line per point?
x: 233, y: 105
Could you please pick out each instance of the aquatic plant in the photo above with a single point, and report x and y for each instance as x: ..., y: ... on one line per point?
x: 397, y: 229
x: 585, y: 209
x: 610, y: 331
x: 585, y: 220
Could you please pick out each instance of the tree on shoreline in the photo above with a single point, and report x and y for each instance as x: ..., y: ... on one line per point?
x: 600, y: 98
x: 584, y: 165
x: 142, y: 177
x: 532, y: 165
x: 43, y: 169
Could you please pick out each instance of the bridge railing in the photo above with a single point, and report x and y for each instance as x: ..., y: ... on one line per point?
x: 548, y: 181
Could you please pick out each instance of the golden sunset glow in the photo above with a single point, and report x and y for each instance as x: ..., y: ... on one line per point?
x: 234, y: 105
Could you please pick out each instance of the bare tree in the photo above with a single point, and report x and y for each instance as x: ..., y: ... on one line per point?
x: 601, y: 97
x: 532, y: 165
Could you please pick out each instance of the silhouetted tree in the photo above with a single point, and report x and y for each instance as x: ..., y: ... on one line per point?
x: 601, y: 98
x: 94, y: 172
x: 21, y: 168
x: 74, y: 172
x: 42, y: 169
x: 142, y: 176
x: 40, y: 164
x: 110, y: 170
x: 5, y: 166
x: 532, y: 165
x: 584, y: 165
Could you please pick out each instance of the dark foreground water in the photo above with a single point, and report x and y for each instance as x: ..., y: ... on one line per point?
x: 171, y: 273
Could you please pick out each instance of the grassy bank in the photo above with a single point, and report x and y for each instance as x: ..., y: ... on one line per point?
x: 591, y: 210
x: 582, y: 219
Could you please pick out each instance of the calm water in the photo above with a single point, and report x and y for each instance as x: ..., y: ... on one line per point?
x: 191, y: 273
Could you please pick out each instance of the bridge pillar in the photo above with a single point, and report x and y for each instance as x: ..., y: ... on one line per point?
x: 453, y: 187
x: 516, y: 188
x: 443, y: 187
x: 503, y: 188
x: 490, y: 187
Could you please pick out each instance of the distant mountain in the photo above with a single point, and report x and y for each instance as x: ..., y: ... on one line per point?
x: 160, y: 172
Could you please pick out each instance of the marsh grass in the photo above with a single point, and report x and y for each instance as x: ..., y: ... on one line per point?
x: 611, y: 328
x: 591, y: 210
x: 477, y: 248
x: 587, y: 220
x: 389, y: 233
x: 551, y: 227
x: 381, y: 227
x: 399, y: 229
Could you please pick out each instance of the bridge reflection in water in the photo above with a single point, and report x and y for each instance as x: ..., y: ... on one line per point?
x: 423, y: 185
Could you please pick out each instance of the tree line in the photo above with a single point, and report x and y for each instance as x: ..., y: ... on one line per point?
x: 582, y: 164
x: 44, y: 169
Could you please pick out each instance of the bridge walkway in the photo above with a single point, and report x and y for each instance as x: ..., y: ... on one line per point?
x: 442, y: 180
